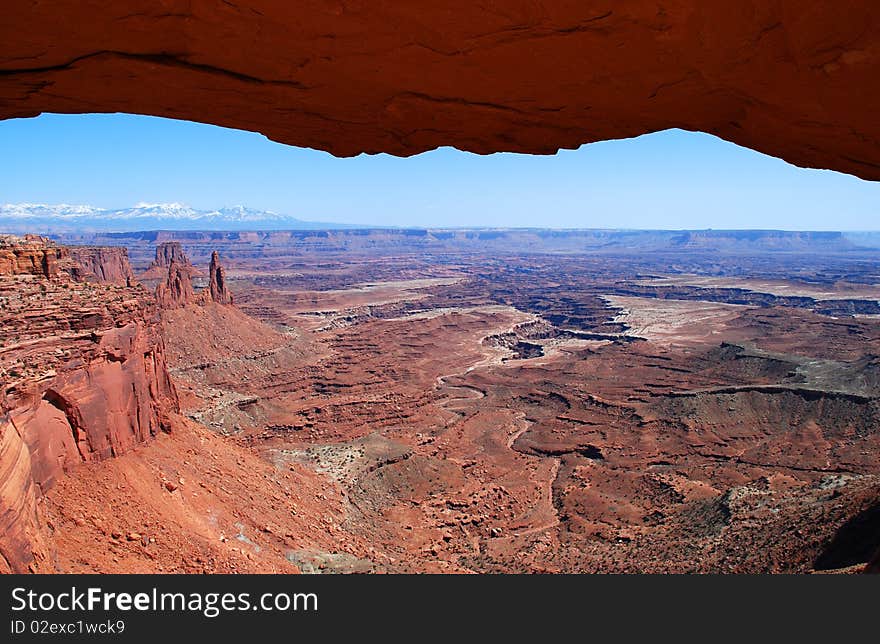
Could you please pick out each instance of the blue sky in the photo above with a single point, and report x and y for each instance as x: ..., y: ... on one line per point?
x: 671, y: 179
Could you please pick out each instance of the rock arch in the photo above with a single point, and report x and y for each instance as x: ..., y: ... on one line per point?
x: 793, y: 78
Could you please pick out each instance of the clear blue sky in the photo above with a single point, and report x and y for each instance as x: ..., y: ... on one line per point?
x: 671, y: 179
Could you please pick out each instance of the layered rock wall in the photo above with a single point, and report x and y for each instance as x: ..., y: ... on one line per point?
x: 167, y: 252
x: 101, y: 264
x: 84, y: 377
x: 30, y: 255
x: 177, y: 289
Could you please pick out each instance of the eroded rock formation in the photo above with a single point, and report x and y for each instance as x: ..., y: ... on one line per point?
x: 793, y: 78
x: 167, y: 252
x: 30, y: 255
x: 101, y: 264
x: 84, y: 377
x: 217, y: 290
x: 177, y: 290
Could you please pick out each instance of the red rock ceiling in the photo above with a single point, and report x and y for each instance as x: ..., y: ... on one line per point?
x: 794, y: 78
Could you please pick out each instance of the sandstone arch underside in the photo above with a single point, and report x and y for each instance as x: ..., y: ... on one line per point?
x: 798, y: 79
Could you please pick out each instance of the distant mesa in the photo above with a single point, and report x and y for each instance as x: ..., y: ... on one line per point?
x: 488, y: 240
x: 168, y: 252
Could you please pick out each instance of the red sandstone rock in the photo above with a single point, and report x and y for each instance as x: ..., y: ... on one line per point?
x: 101, y: 264
x: 795, y: 78
x: 176, y: 291
x: 217, y: 290
x: 167, y: 252
x: 22, y: 538
x: 30, y: 255
x: 83, y: 378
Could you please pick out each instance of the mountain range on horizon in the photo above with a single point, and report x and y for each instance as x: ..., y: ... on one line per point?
x: 60, y: 218
x: 70, y: 221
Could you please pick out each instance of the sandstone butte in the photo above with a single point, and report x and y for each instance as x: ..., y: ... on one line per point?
x: 83, y: 371
x: 177, y: 289
x: 166, y: 253
x: 794, y: 78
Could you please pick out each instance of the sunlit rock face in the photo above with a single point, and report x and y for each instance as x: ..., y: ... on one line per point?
x: 793, y: 78
x: 101, y: 264
x: 83, y: 377
x: 217, y: 290
x: 176, y: 291
x: 168, y: 252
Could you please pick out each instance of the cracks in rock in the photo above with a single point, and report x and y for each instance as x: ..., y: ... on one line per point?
x: 867, y: 164
x: 453, y: 100
x: 152, y: 16
x: 667, y: 85
x: 166, y: 59
x: 74, y: 420
x: 515, y: 34
x: 241, y: 9
x: 28, y: 57
x: 37, y: 87
x: 766, y: 30
x: 588, y: 25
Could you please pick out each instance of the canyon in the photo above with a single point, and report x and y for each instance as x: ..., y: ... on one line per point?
x: 428, y: 400
x: 440, y: 401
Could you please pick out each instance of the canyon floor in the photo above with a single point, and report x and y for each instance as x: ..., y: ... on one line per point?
x: 391, y: 410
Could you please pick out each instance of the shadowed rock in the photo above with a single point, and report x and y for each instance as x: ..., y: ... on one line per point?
x: 793, y: 78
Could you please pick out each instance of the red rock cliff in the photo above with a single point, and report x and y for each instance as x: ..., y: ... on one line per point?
x: 167, y: 252
x: 30, y: 255
x: 101, y: 264
x: 84, y: 377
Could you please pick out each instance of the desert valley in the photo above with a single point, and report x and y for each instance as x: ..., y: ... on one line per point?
x: 419, y: 400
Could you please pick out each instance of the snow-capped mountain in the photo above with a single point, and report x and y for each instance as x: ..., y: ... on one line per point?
x: 40, y: 210
x: 51, y: 218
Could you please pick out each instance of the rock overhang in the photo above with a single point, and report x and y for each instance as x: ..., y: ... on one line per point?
x: 794, y: 79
